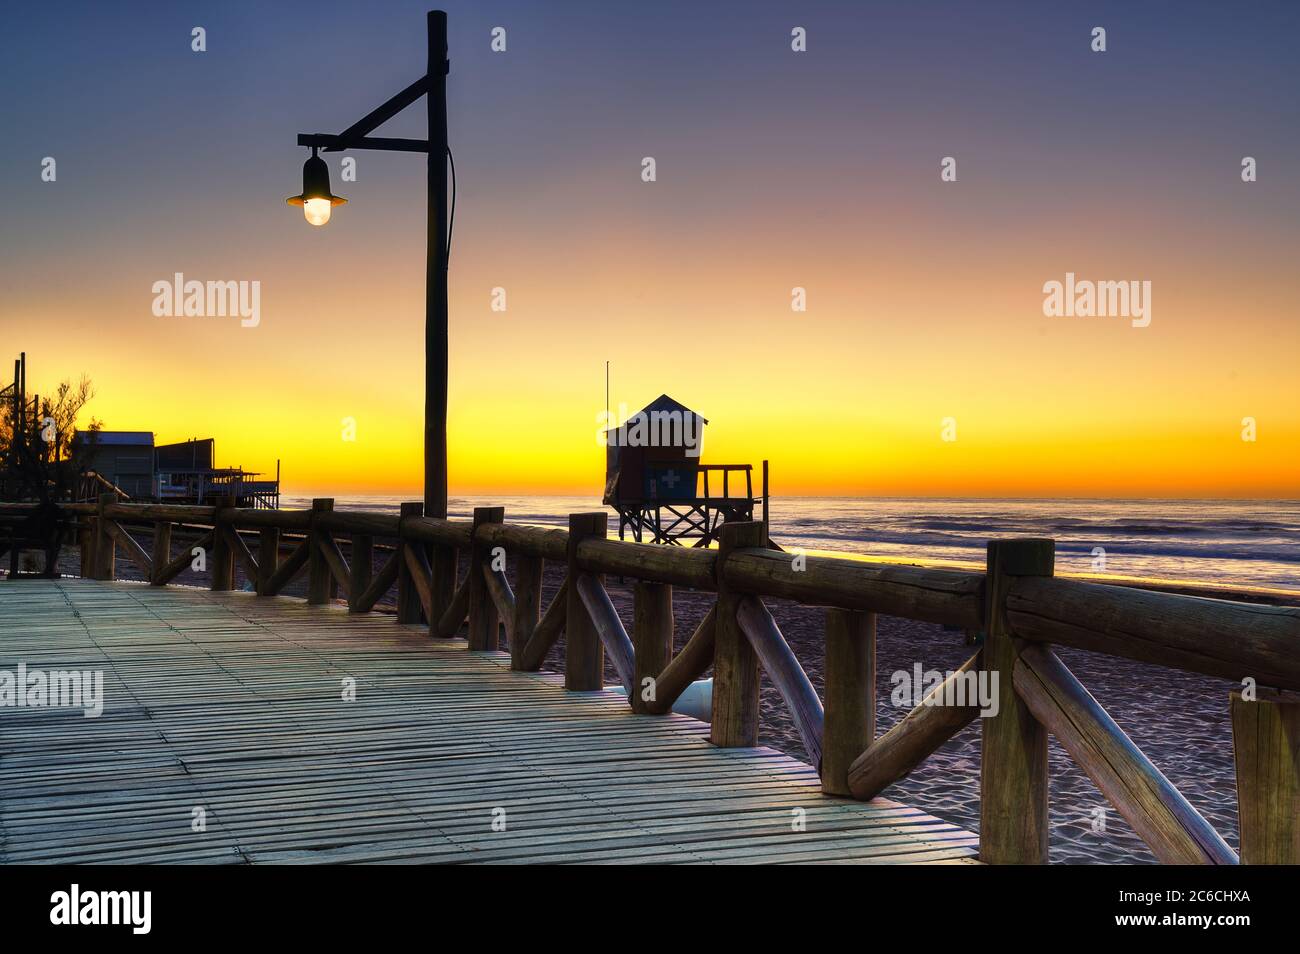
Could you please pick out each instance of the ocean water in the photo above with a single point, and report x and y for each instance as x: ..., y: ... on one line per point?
x: 1243, y: 543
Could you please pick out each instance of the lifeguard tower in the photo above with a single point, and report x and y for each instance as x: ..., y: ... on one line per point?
x: 662, y: 492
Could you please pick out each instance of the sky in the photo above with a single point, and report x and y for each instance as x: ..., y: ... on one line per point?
x: 924, y: 363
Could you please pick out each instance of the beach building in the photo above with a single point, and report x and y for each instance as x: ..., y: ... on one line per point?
x: 661, y: 490
x: 129, y: 464
x: 123, y: 460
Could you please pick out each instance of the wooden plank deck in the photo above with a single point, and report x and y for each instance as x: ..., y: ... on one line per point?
x: 234, y: 704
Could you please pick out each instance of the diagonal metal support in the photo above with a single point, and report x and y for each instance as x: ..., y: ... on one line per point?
x: 381, y: 114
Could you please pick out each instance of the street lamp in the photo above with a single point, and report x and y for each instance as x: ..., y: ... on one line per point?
x: 317, y: 201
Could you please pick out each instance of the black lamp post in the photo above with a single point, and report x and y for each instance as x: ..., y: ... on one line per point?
x: 317, y: 200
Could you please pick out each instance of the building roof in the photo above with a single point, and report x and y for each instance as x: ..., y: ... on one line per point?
x: 664, y: 403
x: 105, y: 438
x: 195, y: 454
x: 661, y: 405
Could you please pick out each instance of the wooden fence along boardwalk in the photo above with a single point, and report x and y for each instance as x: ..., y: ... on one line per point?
x: 233, y: 703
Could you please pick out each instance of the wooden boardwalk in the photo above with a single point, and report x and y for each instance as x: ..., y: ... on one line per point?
x: 233, y: 705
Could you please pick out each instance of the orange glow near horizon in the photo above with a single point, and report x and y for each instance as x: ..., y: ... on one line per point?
x: 847, y: 398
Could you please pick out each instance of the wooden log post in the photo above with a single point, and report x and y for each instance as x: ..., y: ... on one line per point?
x: 221, y: 561
x: 361, y: 569
x: 162, y: 550
x: 850, y: 721
x: 584, y: 655
x: 484, y: 620
x: 268, y: 558
x: 86, y: 542
x: 652, y: 640
x: 408, y: 597
x: 735, y: 664
x: 1013, y: 753
x: 528, y: 605
x: 443, y: 565
x: 318, y: 571
x: 1266, y: 745
x: 105, y: 547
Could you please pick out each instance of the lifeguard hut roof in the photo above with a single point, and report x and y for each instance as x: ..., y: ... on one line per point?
x: 665, y: 404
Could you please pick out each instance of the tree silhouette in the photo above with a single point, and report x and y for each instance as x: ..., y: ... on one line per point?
x: 41, y: 463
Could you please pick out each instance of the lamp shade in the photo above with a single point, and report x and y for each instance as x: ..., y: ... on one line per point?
x: 316, y: 198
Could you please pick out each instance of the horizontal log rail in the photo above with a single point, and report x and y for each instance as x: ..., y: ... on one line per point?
x: 1018, y: 605
x: 1211, y: 637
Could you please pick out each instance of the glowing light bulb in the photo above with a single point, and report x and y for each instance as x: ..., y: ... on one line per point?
x: 316, y: 211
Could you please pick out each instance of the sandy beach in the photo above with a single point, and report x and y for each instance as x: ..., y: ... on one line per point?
x: 1178, y: 719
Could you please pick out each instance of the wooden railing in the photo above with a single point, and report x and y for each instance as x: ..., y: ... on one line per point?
x: 1020, y: 608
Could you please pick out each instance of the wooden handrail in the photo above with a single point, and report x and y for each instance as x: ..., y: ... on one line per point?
x: 548, y: 543
x: 1211, y: 637
x: 679, y: 566
x: 951, y: 597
